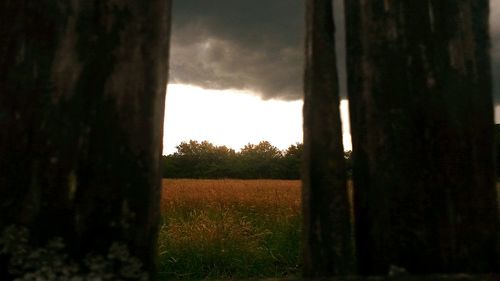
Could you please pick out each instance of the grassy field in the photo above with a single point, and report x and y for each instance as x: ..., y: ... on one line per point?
x: 223, y: 229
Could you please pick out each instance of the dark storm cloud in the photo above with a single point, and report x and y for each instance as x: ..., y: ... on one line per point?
x: 257, y: 45
x: 254, y: 45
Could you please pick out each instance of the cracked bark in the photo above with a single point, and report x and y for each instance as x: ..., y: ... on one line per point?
x: 422, y: 130
x: 328, y: 245
x: 82, y: 87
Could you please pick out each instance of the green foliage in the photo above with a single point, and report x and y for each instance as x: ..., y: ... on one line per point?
x: 261, y: 248
x: 203, y: 160
x: 292, y: 161
x: 262, y: 161
x: 199, y: 160
x: 51, y: 262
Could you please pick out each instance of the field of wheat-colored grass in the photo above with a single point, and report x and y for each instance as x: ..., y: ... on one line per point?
x: 216, y: 229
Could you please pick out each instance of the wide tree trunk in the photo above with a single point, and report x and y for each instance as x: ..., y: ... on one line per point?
x: 422, y: 126
x: 328, y: 245
x: 82, y: 87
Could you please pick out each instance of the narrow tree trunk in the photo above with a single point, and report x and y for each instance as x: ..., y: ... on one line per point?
x: 422, y: 126
x: 82, y: 87
x: 327, y: 231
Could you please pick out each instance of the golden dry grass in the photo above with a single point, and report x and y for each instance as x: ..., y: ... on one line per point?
x: 229, y: 228
x: 266, y: 194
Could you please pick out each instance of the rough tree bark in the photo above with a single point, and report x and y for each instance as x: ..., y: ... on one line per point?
x: 422, y: 126
x: 82, y: 87
x: 328, y: 245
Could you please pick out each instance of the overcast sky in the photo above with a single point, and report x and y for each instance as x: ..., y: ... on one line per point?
x: 256, y: 45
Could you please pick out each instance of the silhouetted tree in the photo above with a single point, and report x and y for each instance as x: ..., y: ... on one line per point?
x: 261, y: 160
x: 200, y: 160
x: 292, y: 160
x: 256, y: 161
x: 205, y: 160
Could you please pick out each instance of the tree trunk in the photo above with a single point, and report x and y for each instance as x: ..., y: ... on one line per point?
x: 328, y: 245
x: 422, y: 126
x: 82, y: 87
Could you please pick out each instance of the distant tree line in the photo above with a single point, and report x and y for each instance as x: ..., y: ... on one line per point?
x: 205, y: 160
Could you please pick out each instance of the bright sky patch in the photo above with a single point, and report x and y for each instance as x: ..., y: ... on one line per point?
x: 233, y: 118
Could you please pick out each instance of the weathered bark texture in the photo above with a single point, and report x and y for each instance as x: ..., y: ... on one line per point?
x: 422, y: 126
x: 328, y: 245
x: 82, y: 87
x: 406, y: 277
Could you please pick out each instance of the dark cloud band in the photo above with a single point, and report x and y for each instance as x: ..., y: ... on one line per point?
x: 257, y: 45
x: 253, y: 45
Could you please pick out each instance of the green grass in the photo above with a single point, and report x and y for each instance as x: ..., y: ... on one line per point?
x: 229, y: 229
